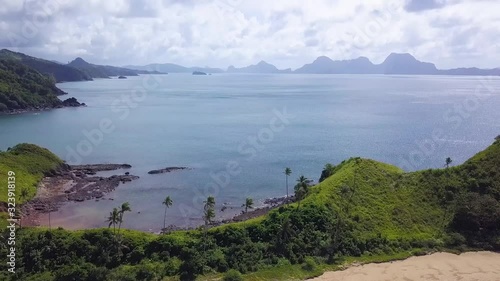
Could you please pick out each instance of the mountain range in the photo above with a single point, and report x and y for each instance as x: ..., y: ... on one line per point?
x: 394, y: 64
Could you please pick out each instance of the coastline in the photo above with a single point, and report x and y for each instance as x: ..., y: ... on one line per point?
x: 72, y: 183
x: 80, y: 183
x: 69, y: 102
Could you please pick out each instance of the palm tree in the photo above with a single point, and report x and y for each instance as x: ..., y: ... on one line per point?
x: 301, y: 188
x: 248, y: 204
x: 209, y: 203
x: 448, y: 162
x: 209, y: 210
x: 125, y: 207
x: 167, y: 202
x: 303, y: 182
x: 208, y: 216
x: 287, y: 172
x: 113, y: 219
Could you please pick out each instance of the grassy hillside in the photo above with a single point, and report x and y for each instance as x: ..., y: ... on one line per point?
x: 29, y: 163
x: 366, y: 210
x: 59, y: 72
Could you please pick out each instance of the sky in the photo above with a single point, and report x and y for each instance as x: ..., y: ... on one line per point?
x: 286, y: 33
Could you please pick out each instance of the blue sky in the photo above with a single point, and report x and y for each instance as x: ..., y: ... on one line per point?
x: 219, y: 33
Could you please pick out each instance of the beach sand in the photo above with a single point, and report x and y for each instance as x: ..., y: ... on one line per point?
x: 472, y: 266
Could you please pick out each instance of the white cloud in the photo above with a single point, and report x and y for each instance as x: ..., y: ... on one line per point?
x: 288, y: 33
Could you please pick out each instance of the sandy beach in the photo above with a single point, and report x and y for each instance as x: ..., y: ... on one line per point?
x: 472, y: 266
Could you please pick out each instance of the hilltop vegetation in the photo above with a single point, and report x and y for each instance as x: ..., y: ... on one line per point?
x: 30, y: 163
x: 23, y: 88
x: 58, y: 72
x: 363, y: 209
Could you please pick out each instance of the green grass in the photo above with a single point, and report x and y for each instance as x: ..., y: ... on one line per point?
x: 29, y: 163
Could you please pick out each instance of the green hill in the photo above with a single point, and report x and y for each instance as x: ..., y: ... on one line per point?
x: 59, y: 72
x: 24, y: 89
x: 364, y: 210
x: 101, y: 71
x: 29, y: 163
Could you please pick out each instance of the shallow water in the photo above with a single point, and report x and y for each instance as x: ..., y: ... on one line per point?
x: 239, y: 131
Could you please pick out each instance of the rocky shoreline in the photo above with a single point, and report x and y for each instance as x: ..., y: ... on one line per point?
x: 72, y: 183
x: 79, y: 183
x: 70, y: 102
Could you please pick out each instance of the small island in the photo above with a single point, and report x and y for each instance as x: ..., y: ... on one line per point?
x: 166, y: 170
x: 122, y: 77
x: 199, y: 73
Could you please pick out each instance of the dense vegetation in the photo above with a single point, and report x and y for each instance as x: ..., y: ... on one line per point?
x: 362, y: 209
x: 59, y: 72
x: 22, y: 88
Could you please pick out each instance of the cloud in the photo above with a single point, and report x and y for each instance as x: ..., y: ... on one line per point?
x: 287, y: 33
x: 422, y: 5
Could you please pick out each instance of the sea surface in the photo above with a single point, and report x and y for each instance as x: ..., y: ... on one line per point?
x: 237, y: 133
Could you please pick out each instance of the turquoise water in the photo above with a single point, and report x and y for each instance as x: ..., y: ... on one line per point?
x: 227, y: 129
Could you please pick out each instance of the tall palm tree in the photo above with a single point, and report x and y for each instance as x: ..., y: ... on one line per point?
x: 448, y: 162
x: 113, y: 219
x: 208, y: 216
x: 209, y: 203
x: 167, y: 202
x: 125, y: 207
x: 248, y: 204
x: 209, y: 210
x: 287, y: 173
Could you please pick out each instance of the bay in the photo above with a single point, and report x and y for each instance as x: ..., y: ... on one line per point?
x: 237, y: 133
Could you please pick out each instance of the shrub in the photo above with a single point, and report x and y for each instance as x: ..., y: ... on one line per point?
x: 232, y: 275
x: 309, y: 264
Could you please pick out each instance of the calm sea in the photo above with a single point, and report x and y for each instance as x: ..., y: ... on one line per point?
x: 238, y: 132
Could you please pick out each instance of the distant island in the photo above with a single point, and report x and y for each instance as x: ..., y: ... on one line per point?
x: 394, y: 64
x: 199, y: 73
x: 122, y: 77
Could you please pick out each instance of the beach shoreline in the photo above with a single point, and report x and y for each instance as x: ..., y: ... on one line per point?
x: 79, y: 183
x: 468, y: 266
